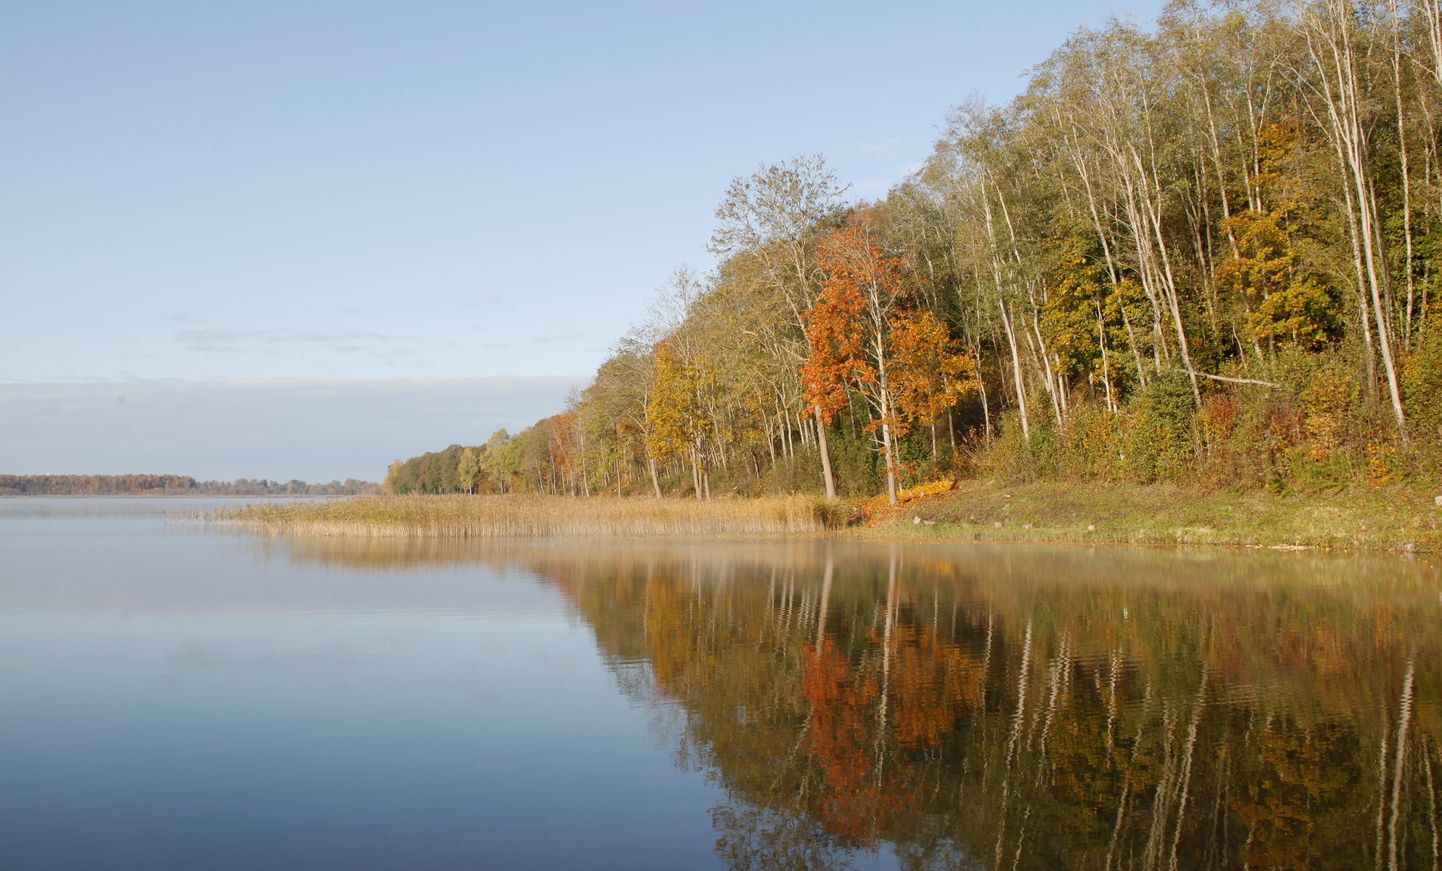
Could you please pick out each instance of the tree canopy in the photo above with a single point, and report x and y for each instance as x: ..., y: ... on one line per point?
x: 1205, y: 250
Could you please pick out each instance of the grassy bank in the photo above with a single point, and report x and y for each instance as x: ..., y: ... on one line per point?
x: 980, y: 510
x: 535, y: 516
x: 975, y: 510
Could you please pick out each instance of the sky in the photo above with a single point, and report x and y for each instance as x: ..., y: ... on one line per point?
x: 300, y: 240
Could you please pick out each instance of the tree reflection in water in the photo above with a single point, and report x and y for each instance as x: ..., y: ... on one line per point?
x: 1020, y: 707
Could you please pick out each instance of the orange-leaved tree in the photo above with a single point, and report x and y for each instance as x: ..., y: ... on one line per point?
x: 849, y: 331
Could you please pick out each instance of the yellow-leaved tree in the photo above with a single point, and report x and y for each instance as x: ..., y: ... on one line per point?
x: 676, y: 417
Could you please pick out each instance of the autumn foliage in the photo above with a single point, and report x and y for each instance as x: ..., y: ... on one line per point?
x: 933, y: 372
x: 1139, y: 270
x: 868, y: 337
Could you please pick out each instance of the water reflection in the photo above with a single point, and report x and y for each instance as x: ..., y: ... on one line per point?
x: 1008, y: 707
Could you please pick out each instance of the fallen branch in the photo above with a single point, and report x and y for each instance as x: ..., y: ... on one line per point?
x: 1238, y: 380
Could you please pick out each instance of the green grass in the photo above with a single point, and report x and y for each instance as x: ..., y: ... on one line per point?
x: 981, y: 510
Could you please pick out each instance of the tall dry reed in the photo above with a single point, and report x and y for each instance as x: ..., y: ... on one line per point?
x: 536, y: 516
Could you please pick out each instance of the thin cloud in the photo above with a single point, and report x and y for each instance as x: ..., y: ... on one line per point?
x: 220, y: 339
x: 553, y: 338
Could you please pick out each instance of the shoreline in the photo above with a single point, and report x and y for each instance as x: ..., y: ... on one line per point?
x: 1381, y: 521
x: 976, y: 510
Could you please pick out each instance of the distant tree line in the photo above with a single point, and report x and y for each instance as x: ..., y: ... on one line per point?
x: 171, y: 485
x: 456, y: 469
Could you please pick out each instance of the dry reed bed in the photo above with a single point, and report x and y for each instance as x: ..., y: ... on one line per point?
x: 535, y: 516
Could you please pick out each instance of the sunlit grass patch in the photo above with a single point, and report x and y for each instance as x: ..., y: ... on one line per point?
x: 1078, y: 511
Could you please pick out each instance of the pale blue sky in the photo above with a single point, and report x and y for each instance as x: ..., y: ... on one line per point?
x: 221, y: 195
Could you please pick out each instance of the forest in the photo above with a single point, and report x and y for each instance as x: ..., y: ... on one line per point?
x: 170, y: 485
x: 1205, y: 253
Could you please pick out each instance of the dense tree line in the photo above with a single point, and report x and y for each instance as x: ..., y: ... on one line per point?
x: 171, y: 485
x: 456, y: 469
x: 1205, y: 252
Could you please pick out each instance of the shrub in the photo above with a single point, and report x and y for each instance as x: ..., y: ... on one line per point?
x: 855, y: 462
x: 1328, y: 401
x: 1094, y: 443
x: 1161, y: 441
x: 1011, y: 455
x: 800, y: 474
x: 1042, y: 453
x: 1422, y: 384
x: 1005, y: 455
x: 1218, y: 421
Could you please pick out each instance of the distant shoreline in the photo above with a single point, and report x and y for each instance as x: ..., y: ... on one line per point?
x: 162, y: 485
x: 176, y: 496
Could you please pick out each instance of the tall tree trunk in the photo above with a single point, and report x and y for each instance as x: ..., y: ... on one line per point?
x: 1016, y: 371
x: 585, y: 478
x: 1052, y: 388
x: 1330, y: 43
x: 985, y: 407
x: 890, y: 464
x: 821, y: 446
x: 1169, y: 284
x: 1106, y: 369
x: 1406, y: 175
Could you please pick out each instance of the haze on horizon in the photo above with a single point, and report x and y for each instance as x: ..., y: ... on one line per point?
x: 271, y: 241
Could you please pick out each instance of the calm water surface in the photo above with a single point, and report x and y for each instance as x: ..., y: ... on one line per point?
x: 178, y: 697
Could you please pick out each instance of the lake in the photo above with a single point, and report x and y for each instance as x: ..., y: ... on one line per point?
x: 177, y: 696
